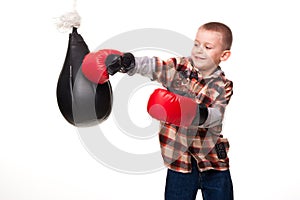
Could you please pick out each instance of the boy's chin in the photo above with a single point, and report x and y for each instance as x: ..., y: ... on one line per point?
x: 202, y: 68
x: 198, y: 65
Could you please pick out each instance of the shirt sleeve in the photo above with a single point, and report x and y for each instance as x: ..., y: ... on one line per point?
x: 217, y: 109
x: 166, y: 72
x: 144, y: 66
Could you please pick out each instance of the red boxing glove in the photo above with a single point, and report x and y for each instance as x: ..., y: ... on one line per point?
x: 172, y: 108
x: 94, y: 65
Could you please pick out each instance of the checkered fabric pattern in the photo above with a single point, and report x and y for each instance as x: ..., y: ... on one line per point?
x: 178, y: 144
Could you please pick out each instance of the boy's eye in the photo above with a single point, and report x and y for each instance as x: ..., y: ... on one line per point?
x: 195, y: 44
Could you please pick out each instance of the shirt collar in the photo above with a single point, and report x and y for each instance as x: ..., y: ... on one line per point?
x: 217, y: 73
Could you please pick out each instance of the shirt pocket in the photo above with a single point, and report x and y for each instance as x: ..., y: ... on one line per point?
x: 219, y: 152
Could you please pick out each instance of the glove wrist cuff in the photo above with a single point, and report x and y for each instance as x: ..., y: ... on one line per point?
x: 128, y: 62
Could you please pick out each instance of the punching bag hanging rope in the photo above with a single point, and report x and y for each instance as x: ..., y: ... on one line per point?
x: 80, y: 101
x: 69, y: 20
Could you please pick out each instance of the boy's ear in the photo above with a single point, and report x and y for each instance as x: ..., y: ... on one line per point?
x: 225, y: 55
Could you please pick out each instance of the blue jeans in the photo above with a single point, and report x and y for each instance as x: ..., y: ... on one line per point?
x: 215, y: 185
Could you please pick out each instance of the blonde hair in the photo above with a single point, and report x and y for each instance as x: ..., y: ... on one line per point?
x: 220, y: 28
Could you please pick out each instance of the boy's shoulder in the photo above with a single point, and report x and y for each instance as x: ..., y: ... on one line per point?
x: 219, y: 82
x: 219, y: 76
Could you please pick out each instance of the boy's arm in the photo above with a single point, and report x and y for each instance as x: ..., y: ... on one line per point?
x: 144, y: 66
x: 165, y: 71
x: 162, y: 71
x: 97, y: 66
x: 179, y: 110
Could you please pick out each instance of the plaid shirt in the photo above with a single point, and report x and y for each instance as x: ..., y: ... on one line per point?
x: 205, y: 143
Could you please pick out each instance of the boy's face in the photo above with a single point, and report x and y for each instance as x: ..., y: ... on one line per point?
x: 207, y: 52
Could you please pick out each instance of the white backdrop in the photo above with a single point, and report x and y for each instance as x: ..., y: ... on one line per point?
x: 41, y: 155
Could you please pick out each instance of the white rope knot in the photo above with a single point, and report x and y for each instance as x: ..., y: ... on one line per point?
x: 68, y: 21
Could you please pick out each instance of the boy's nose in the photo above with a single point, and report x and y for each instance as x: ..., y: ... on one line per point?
x: 199, y: 49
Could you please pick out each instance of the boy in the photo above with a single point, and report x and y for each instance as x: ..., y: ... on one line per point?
x: 192, y: 145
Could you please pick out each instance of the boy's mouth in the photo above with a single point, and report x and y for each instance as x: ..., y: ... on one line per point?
x: 199, y: 58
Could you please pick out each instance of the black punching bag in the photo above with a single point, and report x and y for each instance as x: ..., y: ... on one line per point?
x: 81, y: 102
